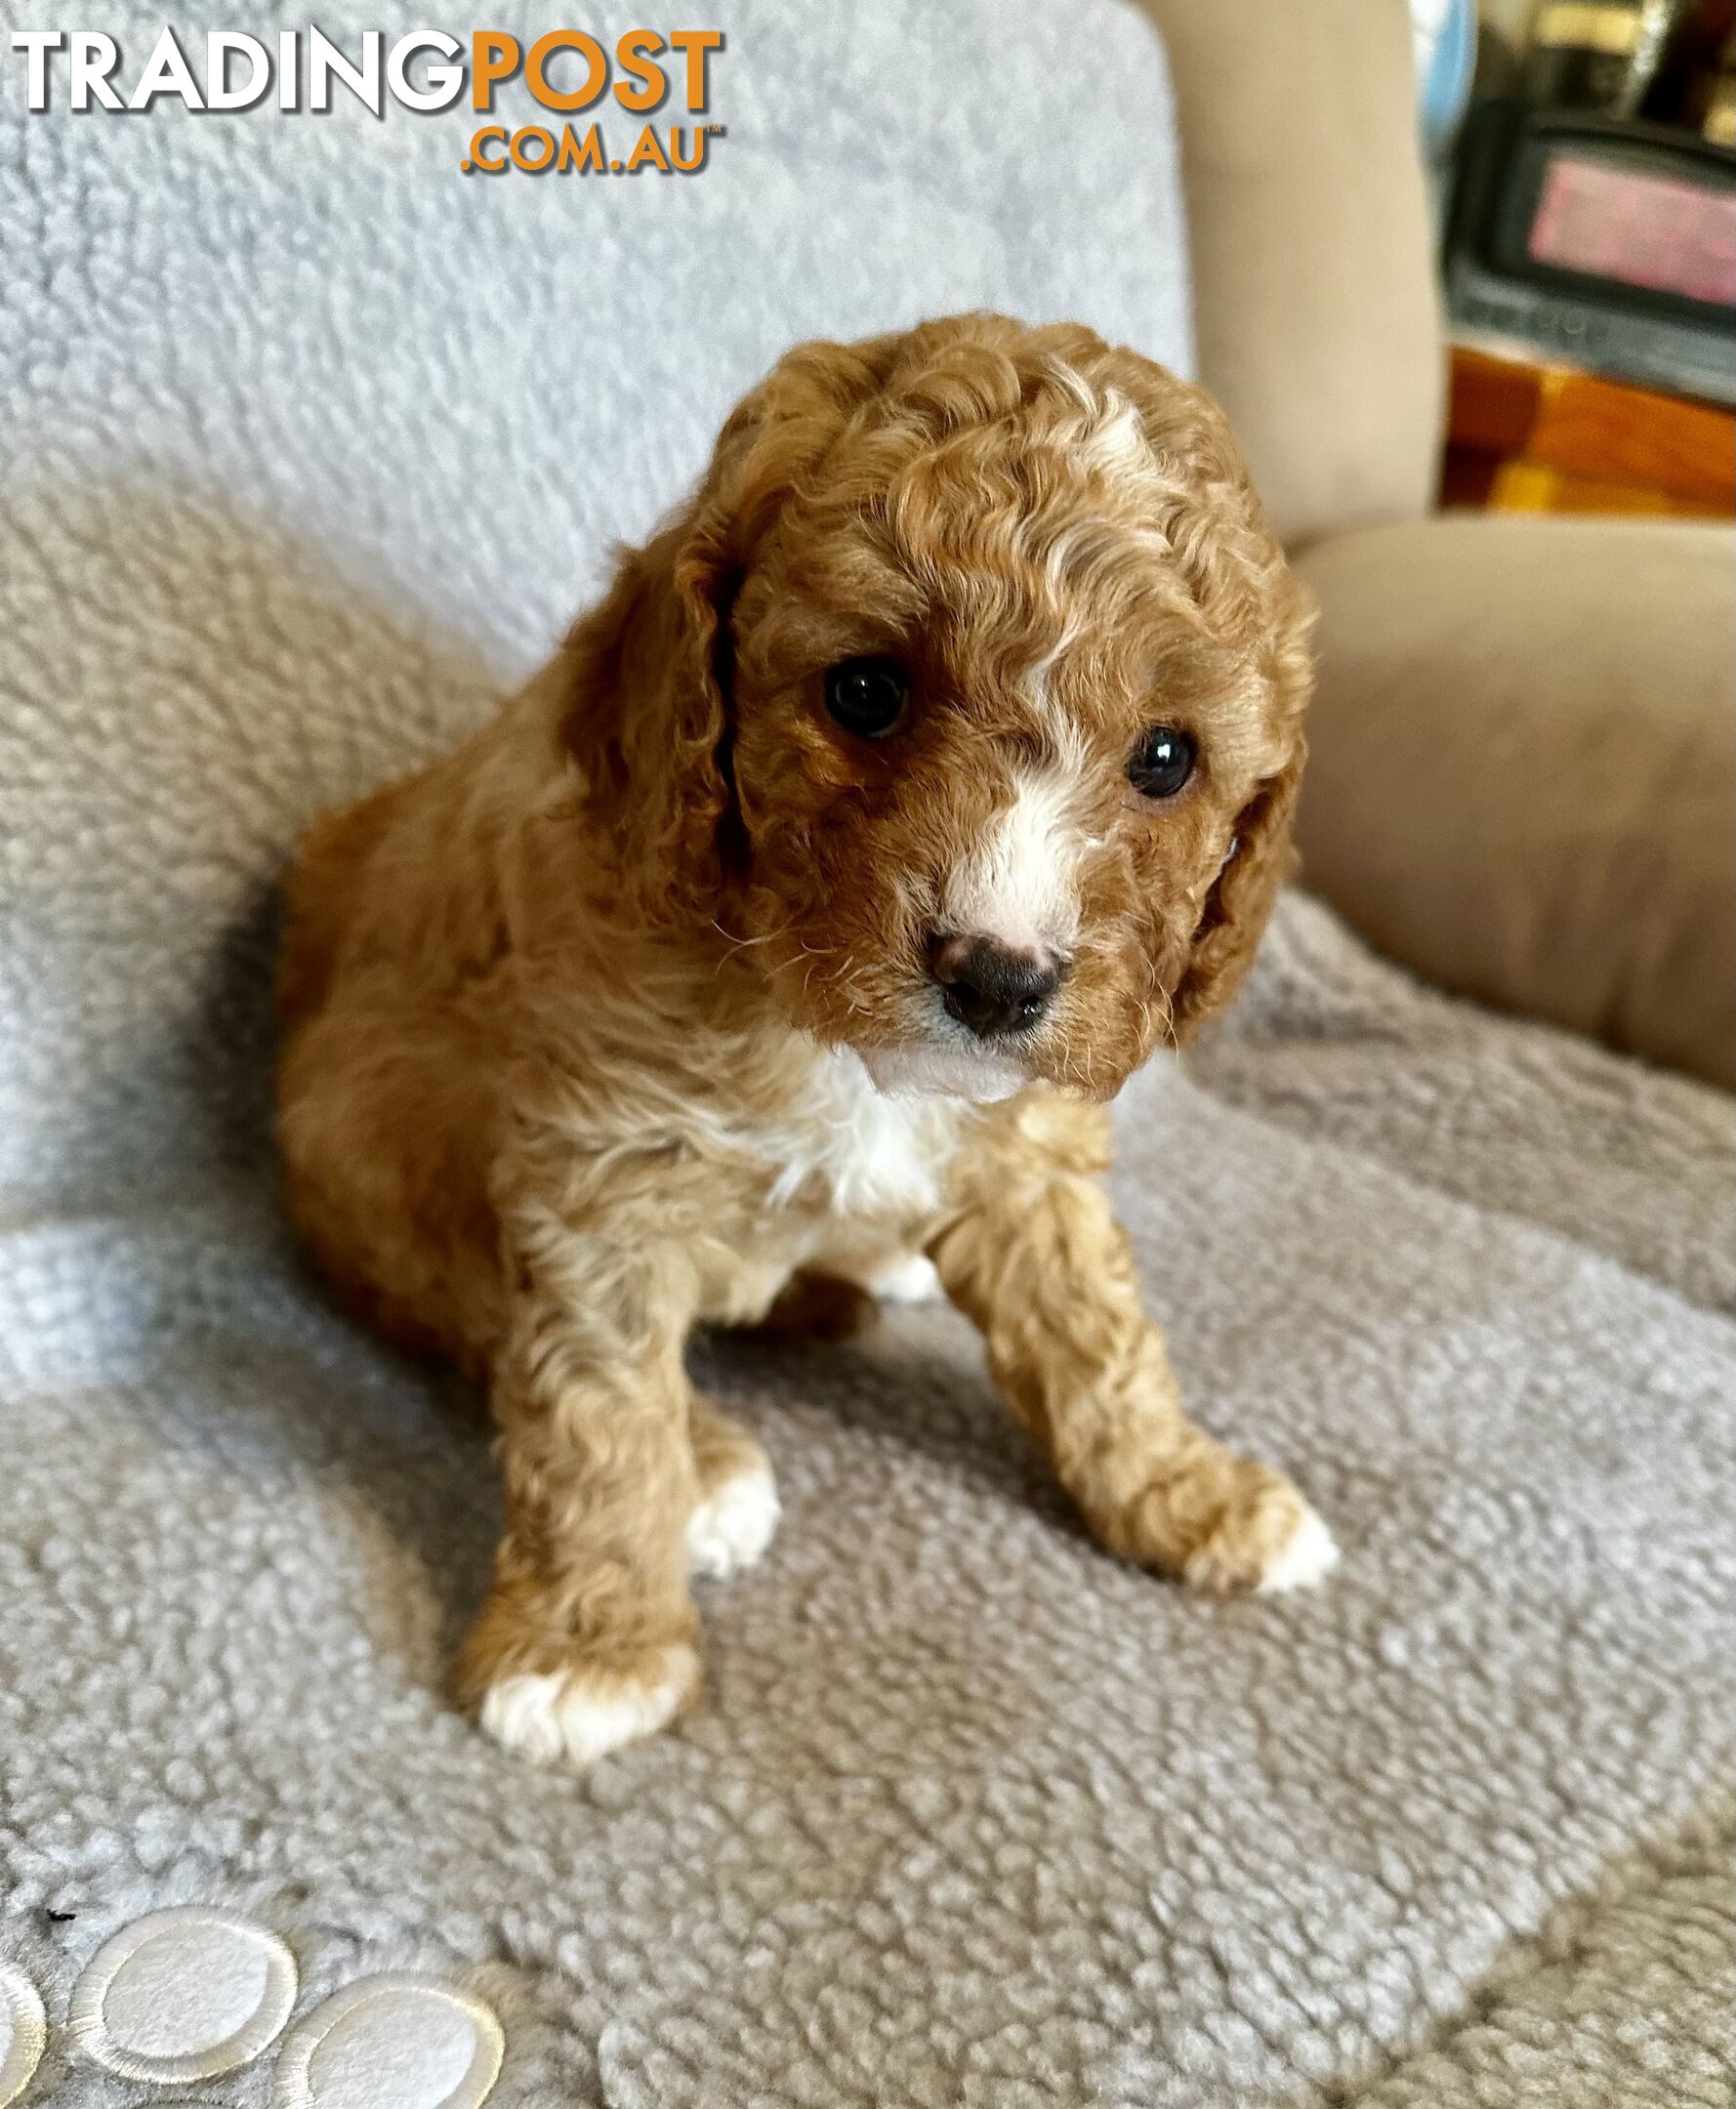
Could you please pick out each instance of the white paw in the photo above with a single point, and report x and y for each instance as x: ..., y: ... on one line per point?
x: 566, y: 1718
x: 910, y: 1281
x: 1308, y: 1557
x: 733, y: 1524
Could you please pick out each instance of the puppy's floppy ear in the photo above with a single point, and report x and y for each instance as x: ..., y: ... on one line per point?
x: 1261, y: 856
x: 1241, y: 898
x: 652, y: 715
x: 648, y: 721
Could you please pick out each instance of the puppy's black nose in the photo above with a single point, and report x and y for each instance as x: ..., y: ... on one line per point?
x: 991, y: 988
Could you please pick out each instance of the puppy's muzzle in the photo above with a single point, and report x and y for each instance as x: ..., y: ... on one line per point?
x: 994, y: 989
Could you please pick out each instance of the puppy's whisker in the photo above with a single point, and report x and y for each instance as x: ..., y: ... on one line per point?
x: 740, y: 945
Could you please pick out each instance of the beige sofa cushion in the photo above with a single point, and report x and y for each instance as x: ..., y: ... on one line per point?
x: 1312, y: 248
x: 1524, y: 770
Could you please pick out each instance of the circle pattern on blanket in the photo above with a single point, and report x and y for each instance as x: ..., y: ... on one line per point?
x: 22, y: 2033
x: 395, y: 2042
x: 183, y: 1995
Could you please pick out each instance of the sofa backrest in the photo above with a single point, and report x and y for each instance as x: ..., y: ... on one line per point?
x: 1315, y: 308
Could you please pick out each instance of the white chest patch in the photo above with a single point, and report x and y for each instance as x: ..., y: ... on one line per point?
x: 869, y: 1153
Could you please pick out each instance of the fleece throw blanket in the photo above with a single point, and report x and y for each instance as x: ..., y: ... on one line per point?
x: 311, y: 443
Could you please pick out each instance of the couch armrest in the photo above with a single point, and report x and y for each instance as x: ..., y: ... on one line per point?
x: 1523, y: 771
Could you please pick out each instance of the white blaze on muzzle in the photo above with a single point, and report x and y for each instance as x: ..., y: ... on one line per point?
x: 1019, y: 884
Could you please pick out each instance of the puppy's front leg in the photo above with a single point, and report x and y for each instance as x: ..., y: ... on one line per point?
x: 586, y: 1638
x: 1035, y: 1256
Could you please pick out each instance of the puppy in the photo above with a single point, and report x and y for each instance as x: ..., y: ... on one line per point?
x: 781, y: 941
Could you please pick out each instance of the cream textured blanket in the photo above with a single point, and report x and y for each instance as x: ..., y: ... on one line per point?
x: 311, y: 443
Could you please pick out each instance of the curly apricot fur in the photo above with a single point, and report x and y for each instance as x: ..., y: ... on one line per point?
x: 579, y: 1022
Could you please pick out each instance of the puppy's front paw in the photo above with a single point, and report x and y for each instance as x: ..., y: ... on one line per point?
x: 734, y: 1523
x: 576, y: 1715
x: 1264, y: 1537
x: 1223, y: 1523
x: 1307, y: 1556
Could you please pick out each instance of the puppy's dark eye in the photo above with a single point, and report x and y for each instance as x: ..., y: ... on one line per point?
x: 867, y: 696
x: 1162, y: 762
